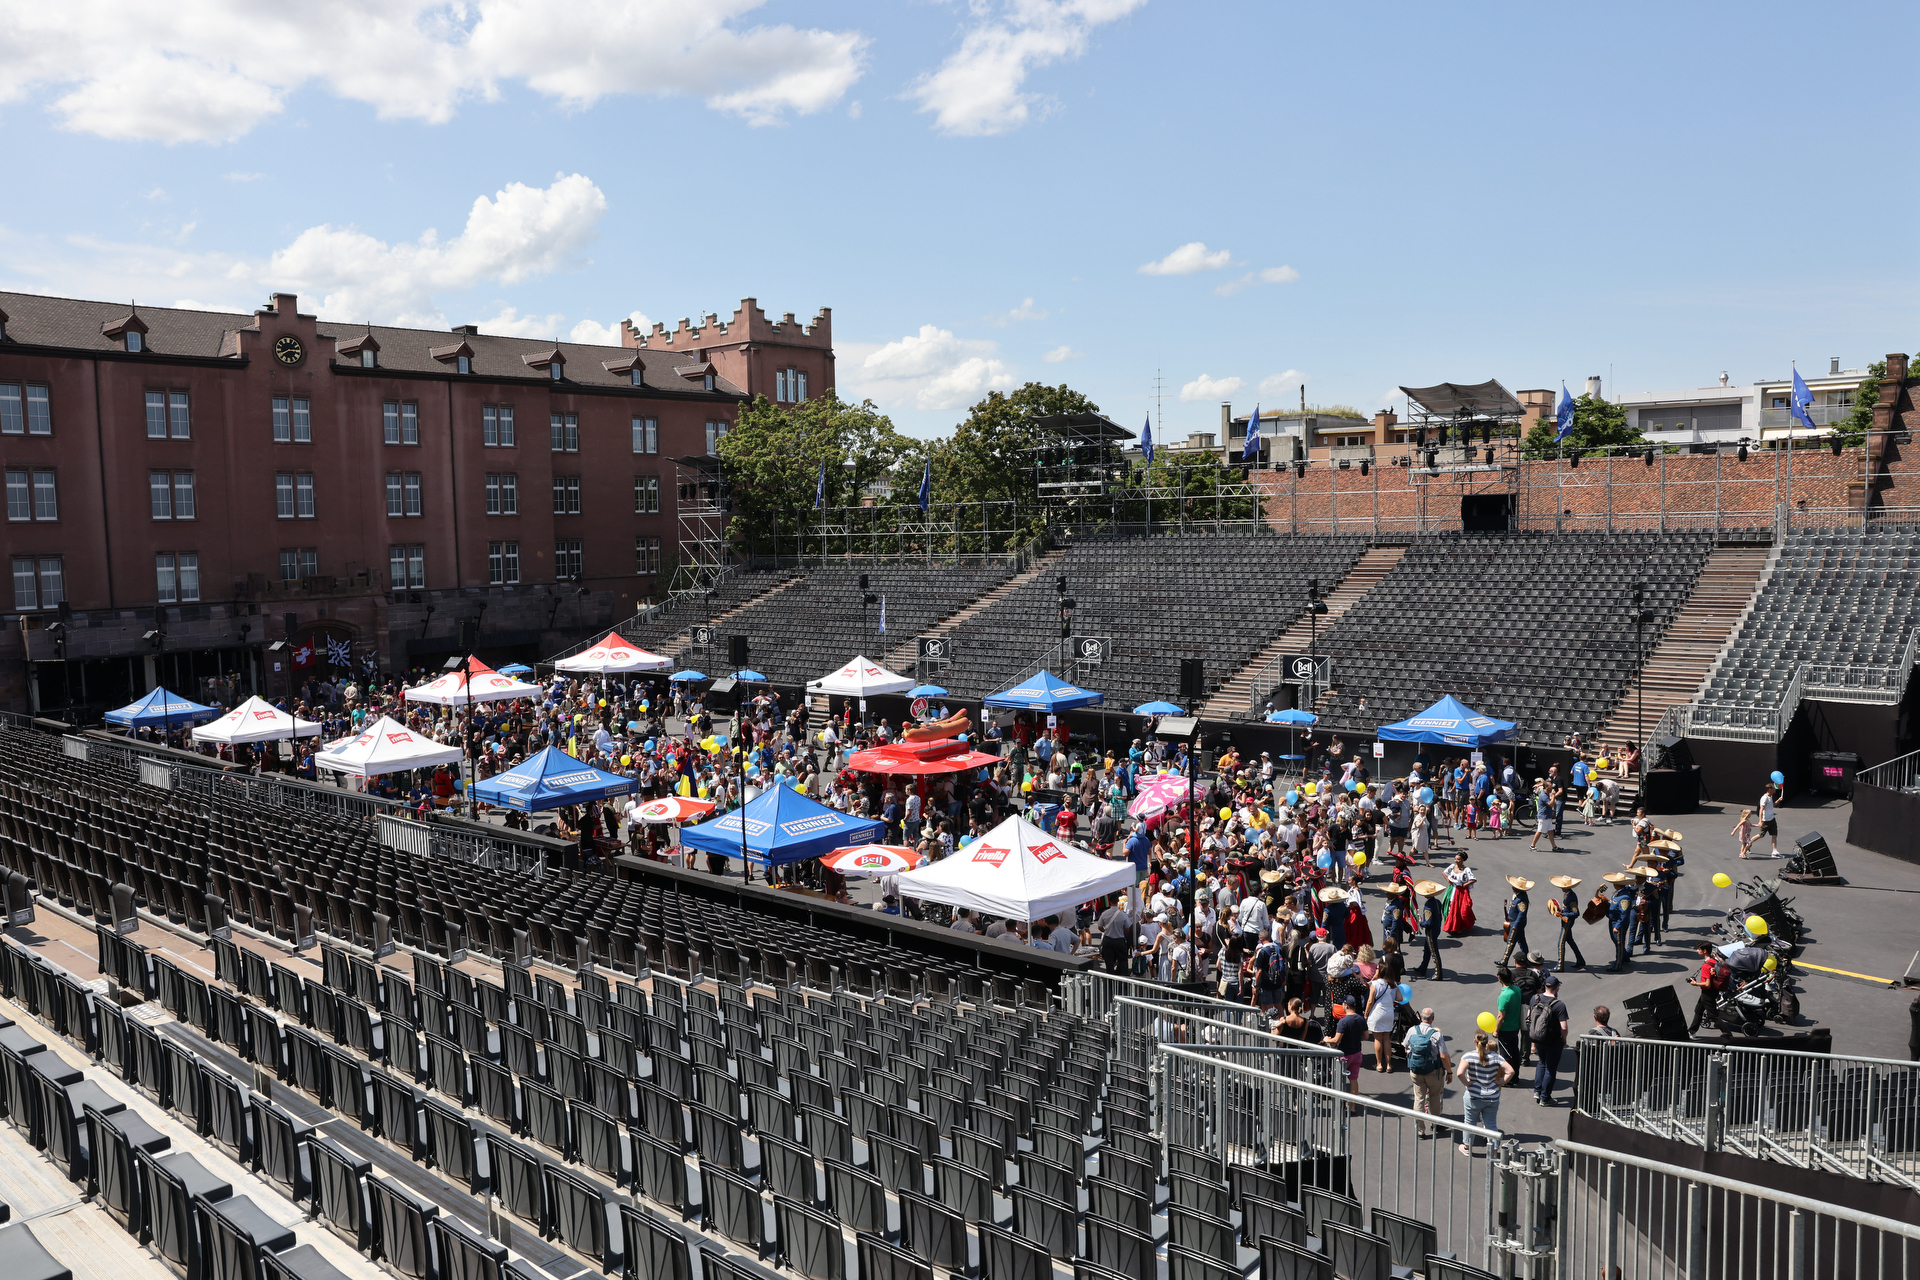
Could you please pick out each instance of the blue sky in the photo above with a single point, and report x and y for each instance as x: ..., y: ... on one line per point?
x: 1353, y: 197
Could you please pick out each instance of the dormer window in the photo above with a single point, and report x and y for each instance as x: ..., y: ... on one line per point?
x: 130, y: 331
x: 363, y: 351
x: 369, y: 358
x: 628, y: 367
x: 556, y: 371
x: 135, y: 340
x: 708, y: 381
x: 633, y: 375
x: 552, y: 362
x: 459, y: 355
x: 464, y: 364
x: 3, y: 326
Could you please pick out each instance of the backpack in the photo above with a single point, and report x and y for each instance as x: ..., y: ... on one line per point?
x: 1422, y: 1058
x: 1541, y: 1025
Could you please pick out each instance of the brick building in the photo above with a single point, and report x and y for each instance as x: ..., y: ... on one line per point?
x: 186, y: 488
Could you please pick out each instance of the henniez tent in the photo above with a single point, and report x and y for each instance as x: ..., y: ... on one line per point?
x: 1017, y: 871
x: 782, y: 826
x: 385, y: 746
x: 861, y: 678
x: 1449, y: 721
x: 479, y: 683
x: 1043, y: 691
x: 255, y: 720
x: 159, y: 708
x: 551, y: 779
x: 612, y: 656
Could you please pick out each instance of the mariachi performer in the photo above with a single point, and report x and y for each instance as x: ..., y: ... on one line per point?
x: 1359, y: 931
x: 1460, y: 878
x: 1566, y: 909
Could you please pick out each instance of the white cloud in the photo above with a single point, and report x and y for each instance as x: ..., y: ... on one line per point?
x: 237, y: 176
x: 1270, y: 275
x: 158, y: 193
x: 1206, y: 388
x: 511, y: 324
x: 1189, y: 259
x: 1291, y: 380
x: 1025, y: 311
x: 341, y: 273
x: 932, y: 369
x: 980, y: 89
x: 198, y: 71
x: 1059, y: 354
x: 593, y: 333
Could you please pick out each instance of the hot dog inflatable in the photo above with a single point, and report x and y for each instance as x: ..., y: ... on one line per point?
x: 934, y: 730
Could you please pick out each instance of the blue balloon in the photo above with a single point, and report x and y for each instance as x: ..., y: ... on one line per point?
x: 1293, y: 797
x: 1350, y: 785
x: 1779, y: 778
x: 1426, y: 795
x: 1406, y: 993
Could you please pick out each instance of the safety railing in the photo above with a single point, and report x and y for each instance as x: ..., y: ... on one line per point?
x: 1863, y: 682
x: 1628, y: 1218
x: 1747, y: 722
x: 1332, y: 1149
x: 1848, y: 1115
x: 1092, y: 993
x: 1142, y: 1027
x: 1902, y: 773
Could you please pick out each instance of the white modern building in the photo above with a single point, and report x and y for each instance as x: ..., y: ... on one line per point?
x: 1726, y: 413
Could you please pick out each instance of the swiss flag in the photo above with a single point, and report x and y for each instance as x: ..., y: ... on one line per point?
x: 303, y: 655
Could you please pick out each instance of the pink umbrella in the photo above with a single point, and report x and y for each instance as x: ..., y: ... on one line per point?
x: 1159, y: 793
x: 673, y: 809
x: 872, y: 860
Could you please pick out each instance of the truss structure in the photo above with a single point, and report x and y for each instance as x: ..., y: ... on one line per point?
x: 704, y: 556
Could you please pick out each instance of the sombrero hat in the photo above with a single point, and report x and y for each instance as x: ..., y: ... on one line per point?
x: 1520, y: 882
x: 1563, y: 882
x: 1333, y: 894
x: 1615, y: 877
x: 1639, y: 871
x: 1270, y: 877
x: 1427, y: 888
x: 1667, y: 835
x: 1662, y: 844
x: 1393, y: 887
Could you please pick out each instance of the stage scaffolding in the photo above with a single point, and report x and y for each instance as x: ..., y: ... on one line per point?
x: 945, y: 533
x: 704, y: 557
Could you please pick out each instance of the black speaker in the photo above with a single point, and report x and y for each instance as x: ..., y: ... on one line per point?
x: 1649, y: 1001
x: 293, y: 624
x: 737, y: 650
x: 469, y: 634
x: 1193, y: 681
x: 1816, y: 858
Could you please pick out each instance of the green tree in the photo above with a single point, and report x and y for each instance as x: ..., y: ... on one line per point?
x: 772, y: 456
x: 990, y: 458
x: 1596, y: 424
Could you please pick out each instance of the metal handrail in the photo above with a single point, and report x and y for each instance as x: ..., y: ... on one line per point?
x: 1902, y: 773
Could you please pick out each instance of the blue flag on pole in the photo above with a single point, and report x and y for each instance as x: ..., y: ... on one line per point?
x: 820, y: 490
x: 1146, y: 440
x: 926, y: 486
x: 883, y: 615
x: 1563, y: 415
x: 1802, y: 401
x: 1251, y: 453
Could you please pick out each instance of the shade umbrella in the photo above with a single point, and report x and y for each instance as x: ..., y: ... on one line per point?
x: 1292, y: 717
x: 1159, y: 709
x: 688, y: 676
x: 872, y: 860
x: 516, y: 669
x: 752, y: 677
x: 673, y: 809
x: 1159, y: 793
x: 926, y: 691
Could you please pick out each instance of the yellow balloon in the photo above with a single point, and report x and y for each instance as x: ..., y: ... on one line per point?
x: 1359, y: 859
x: 1602, y: 763
x: 1487, y: 1023
x: 1771, y: 963
x: 1311, y: 788
x: 1757, y: 926
x: 1225, y: 814
x: 626, y: 759
x: 603, y: 702
x: 1721, y: 880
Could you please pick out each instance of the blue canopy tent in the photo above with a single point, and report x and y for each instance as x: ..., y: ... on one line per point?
x: 549, y: 780
x: 159, y: 708
x: 1043, y: 691
x: 782, y: 826
x: 1449, y: 721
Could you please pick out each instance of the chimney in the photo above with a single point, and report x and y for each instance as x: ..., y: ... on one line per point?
x: 1593, y: 387
x: 1385, y: 420
x: 285, y: 304
x: 471, y: 330
x: 1833, y: 365
x: 1226, y: 419
x: 1723, y: 377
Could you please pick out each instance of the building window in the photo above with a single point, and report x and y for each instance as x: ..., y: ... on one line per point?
x: 293, y: 495
x: 646, y: 435
x: 400, y: 422
x: 39, y: 582
x: 496, y: 426
x: 789, y: 386
x: 403, y: 493
x: 136, y: 340
x: 714, y: 431
x: 179, y: 417
x: 156, y: 415
x: 368, y: 358
x: 556, y: 371
x: 503, y: 493
x: 407, y: 565
x: 708, y: 382
x: 779, y: 386
x: 160, y: 484
x: 566, y: 495
x: 292, y: 420
x: 37, y: 420
x: 46, y: 496
x: 646, y: 555
x: 463, y: 364
x: 298, y: 562
x: 646, y: 495
x: 178, y: 576
x: 637, y: 378
x: 566, y: 559
x: 565, y: 429
x: 503, y: 563
x: 183, y: 503
x: 19, y: 495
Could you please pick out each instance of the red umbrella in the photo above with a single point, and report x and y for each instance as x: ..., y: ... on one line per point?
x: 673, y: 809
x: 872, y: 860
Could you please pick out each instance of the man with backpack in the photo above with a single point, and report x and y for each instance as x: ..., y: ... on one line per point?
x: 1547, y: 1032
x: 1713, y: 979
x: 1429, y: 1064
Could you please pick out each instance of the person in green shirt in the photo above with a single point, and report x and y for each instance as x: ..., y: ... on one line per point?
x: 1510, y: 1015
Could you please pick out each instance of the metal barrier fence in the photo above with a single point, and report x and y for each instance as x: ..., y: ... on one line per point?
x: 1092, y: 993
x: 1625, y: 1218
x: 1334, y: 1148
x: 1902, y: 773
x: 1142, y: 1027
x: 1854, y: 1116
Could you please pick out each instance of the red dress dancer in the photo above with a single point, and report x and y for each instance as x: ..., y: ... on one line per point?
x: 1459, y: 901
x: 1359, y: 932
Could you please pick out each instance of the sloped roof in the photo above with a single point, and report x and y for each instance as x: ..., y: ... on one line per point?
x: 1475, y: 399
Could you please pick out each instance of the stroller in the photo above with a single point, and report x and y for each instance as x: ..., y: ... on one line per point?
x: 1752, y: 997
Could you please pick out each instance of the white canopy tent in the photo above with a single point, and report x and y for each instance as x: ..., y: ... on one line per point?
x: 480, y: 683
x: 861, y: 678
x: 385, y: 746
x: 255, y: 720
x: 1018, y: 871
x: 612, y: 656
